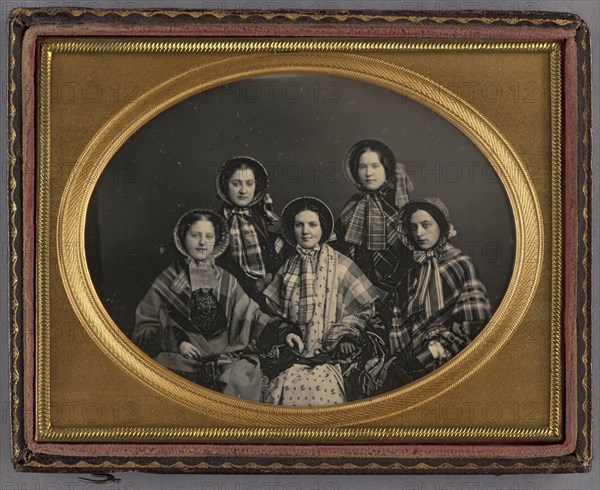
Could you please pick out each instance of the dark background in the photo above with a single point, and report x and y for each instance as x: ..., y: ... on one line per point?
x: 299, y: 127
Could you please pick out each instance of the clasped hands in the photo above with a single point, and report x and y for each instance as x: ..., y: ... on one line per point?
x: 295, y: 342
x: 437, y: 350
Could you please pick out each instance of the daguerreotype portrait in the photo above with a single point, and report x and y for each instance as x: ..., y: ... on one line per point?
x: 289, y: 239
x: 254, y: 236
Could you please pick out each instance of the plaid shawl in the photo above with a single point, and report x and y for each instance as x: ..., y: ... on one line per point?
x: 344, y: 304
x: 299, y: 273
x: 368, y: 221
x: 229, y: 363
x: 163, y: 316
x: 245, y: 245
x: 367, y: 226
x: 403, y: 186
x: 439, y: 299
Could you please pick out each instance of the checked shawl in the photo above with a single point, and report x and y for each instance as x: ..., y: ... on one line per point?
x: 299, y: 277
x: 369, y: 217
x: 344, y: 299
x: 369, y: 220
x: 440, y: 298
x: 344, y: 306
x: 245, y: 246
x: 166, y: 306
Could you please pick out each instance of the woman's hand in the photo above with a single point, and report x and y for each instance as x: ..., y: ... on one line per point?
x: 189, y: 351
x: 262, y: 283
x: 294, y: 341
x: 259, y: 285
x: 437, y: 350
x: 267, y: 279
x: 346, y: 348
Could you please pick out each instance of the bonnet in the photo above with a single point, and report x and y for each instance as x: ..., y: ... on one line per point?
x: 438, y: 211
x: 294, y: 207
x: 222, y: 236
x: 261, y: 178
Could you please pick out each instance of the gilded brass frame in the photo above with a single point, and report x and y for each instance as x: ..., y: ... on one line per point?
x: 332, y: 423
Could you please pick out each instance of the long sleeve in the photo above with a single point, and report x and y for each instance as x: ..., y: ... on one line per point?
x: 466, y: 310
x: 470, y: 313
x: 153, y: 331
x: 355, y: 305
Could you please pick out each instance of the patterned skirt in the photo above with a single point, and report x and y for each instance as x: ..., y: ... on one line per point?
x: 305, y: 386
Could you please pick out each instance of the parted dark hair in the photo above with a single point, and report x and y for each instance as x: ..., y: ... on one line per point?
x: 308, y: 207
x: 288, y: 217
x: 243, y: 163
x: 384, y: 152
x: 386, y: 164
x: 435, y: 213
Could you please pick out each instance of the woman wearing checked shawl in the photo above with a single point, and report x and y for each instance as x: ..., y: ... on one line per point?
x: 439, y: 305
x: 329, y: 301
x: 196, y: 319
x: 242, y: 185
x: 366, y: 229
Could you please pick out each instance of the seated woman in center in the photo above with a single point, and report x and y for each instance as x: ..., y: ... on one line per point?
x: 329, y: 302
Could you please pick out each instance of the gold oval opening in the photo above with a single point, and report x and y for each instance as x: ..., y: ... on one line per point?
x: 317, y: 422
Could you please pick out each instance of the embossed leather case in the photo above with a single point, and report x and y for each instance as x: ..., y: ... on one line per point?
x: 119, y: 121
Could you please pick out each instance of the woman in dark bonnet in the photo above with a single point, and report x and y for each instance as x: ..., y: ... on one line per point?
x: 366, y: 229
x: 440, y: 305
x: 243, y: 187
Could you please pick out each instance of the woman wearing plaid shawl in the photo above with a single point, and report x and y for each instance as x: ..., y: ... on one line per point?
x: 330, y: 304
x: 366, y: 228
x: 196, y: 319
x: 439, y: 305
x: 243, y: 184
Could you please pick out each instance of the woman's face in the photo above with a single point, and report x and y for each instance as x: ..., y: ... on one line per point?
x: 425, y: 230
x: 241, y: 187
x: 371, y: 172
x: 307, y: 229
x: 200, y: 239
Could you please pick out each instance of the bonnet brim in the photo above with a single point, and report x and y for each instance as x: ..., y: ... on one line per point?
x: 221, y: 242
x: 294, y: 207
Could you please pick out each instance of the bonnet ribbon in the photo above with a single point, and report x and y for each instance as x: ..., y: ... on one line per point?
x: 268, y: 209
x: 369, y: 220
x: 404, y: 185
x: 430, y: 295
x: 300, y: 273
x: 245, y: 246
x: 202, y: 273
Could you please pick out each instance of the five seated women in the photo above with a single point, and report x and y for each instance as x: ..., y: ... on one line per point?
x: 326, y: 319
